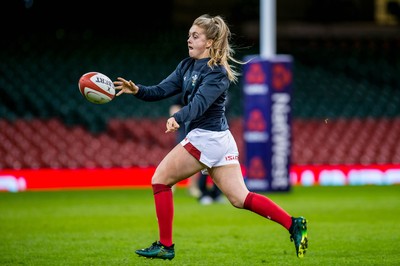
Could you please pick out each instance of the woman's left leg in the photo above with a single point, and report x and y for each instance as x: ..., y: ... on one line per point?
x: 230, y: 180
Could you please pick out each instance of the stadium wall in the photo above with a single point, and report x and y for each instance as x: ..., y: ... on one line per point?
x: 137, y: 177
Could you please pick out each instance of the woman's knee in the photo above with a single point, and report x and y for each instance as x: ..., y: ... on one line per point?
x: 159, y: 177
x: 236, y: 202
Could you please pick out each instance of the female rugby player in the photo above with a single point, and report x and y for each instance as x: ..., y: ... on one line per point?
x: 203, y: 78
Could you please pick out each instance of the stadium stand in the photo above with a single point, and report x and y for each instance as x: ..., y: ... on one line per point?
x: 346, y: 101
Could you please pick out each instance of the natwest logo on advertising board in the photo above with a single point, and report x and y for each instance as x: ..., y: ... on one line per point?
x: 340, y: 175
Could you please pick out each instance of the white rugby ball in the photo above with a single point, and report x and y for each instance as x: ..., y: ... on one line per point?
x: 96, y: 87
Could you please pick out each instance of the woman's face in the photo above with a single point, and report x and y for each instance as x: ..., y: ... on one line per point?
x: 198, y: 44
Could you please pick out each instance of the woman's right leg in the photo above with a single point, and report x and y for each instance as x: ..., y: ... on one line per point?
x: 177, y: 165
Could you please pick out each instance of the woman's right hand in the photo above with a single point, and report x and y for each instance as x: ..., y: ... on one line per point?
x: 125, y: 86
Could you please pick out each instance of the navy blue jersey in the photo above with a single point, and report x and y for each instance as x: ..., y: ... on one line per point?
x: 204, y: 93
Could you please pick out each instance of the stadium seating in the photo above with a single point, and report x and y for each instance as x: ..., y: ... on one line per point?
x: 346, y: 141
x: 46, y: 123
x: 141, y: 142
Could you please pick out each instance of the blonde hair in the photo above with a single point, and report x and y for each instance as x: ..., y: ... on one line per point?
x: 221, y: 52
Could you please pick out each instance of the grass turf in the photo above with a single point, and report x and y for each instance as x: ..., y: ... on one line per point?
x: 350, y: 225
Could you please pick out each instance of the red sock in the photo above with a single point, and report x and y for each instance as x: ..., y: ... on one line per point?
x: 165, y: 212
x: 267, y: 208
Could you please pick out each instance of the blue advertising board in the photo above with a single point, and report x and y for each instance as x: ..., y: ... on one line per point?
x: 267, y: 90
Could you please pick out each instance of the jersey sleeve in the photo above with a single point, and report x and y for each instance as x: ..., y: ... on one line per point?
x: 168, y: 87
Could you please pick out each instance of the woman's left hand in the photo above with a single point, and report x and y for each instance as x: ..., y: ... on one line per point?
x: 172, y: 125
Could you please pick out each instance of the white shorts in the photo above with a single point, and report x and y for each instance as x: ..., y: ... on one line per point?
x: 212, y: 148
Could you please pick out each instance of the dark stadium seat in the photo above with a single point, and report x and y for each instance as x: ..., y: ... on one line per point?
x: 45, y: 122
x: 49, y: 144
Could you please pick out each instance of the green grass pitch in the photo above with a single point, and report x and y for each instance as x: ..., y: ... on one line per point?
x: 350, y: 225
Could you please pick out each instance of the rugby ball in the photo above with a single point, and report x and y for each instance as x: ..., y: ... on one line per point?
x: 96, y: 87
